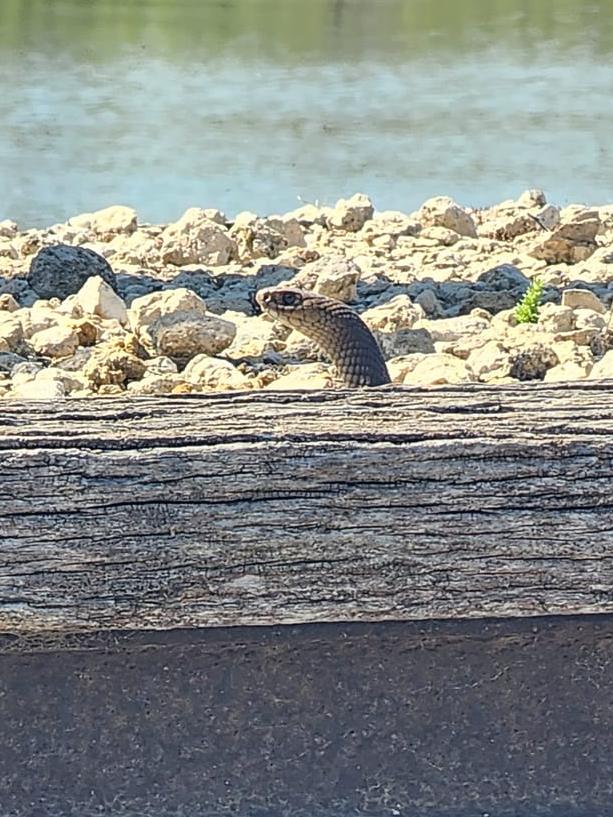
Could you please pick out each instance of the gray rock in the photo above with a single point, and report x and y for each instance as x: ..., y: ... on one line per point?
x: 405, y: 342
x: 19, y: 288
x: 492, y: 301
x: 429, y: 303
x: 135, y: 285
x: 503, y: 278
x: 496, y: 290
x: 198, y: 281
x: 452, y: 293
x: 60, y: 270
x: 130, y: 294
x: 532, y: 363
x: 8, y: 360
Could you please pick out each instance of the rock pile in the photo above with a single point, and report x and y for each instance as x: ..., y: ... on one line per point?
x: 106, y: 305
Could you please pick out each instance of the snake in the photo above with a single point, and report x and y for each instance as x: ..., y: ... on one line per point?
x: 336, y: 328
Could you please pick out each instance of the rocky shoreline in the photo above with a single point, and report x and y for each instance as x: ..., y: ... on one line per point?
x: 104, y: 305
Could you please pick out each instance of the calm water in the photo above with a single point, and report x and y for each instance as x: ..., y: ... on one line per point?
x: 251, y: 104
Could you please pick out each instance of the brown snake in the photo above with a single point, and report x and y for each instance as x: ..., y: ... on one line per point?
x: 339, y: 332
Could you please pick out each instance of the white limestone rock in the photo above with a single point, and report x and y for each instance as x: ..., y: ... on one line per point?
x: 96, y: 297
x: 351, y: 214
x: 108, y: 222
x: 305, y: 376
x: 438, y: 369
x: 331, y: 275
x: 56, y: 341
x: 196, y: 239
x: 398, y: 313
x: 8, y: 303
x: 442, y: 211
x: 214, y: 374
x: 582, y: 299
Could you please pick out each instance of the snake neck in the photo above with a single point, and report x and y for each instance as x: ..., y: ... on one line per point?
x: 346, y: 340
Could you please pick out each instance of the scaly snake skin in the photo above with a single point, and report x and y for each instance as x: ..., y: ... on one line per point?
x: 339, y: 332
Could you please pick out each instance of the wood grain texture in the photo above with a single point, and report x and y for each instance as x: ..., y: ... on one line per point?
x: 268, y: 507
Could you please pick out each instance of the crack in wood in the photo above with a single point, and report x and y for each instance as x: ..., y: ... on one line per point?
x: 343, y: 505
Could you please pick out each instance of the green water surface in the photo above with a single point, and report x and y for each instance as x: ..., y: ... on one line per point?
x: 256, y: 104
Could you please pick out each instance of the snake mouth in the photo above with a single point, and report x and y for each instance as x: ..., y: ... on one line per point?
x: 264, y: 298
x: 259, y: 300
x: 264, y: 303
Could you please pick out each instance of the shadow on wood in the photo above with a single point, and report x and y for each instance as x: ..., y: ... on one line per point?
x: 453, y: 719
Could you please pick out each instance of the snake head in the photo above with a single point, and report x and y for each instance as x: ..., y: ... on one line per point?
x: 280, y: 302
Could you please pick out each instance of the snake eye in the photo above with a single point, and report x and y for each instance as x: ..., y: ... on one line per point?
x: 290, y: 299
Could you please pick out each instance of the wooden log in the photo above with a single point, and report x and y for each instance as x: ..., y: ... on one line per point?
x: 260, y: 508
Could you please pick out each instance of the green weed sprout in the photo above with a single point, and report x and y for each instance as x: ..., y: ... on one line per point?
x: 527, y: 310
